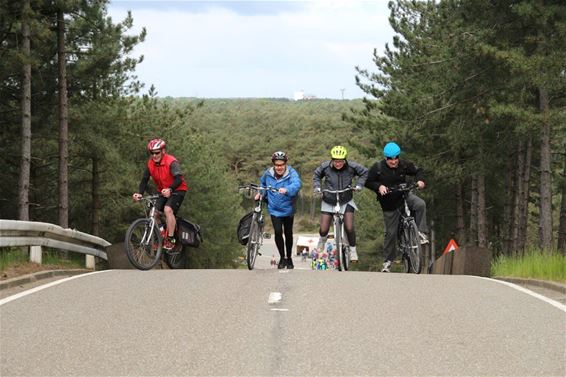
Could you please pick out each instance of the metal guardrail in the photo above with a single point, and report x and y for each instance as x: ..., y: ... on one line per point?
x: 14, y: 233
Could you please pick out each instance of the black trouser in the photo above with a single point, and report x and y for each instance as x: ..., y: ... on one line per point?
x: 280, y: 223
x: 327, y: 217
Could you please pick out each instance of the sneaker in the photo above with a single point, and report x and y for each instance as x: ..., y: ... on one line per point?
x: 282, y: 263
x: 386, y: 266
x: 424, y: 238
x: 289, y: 263
x: 169, y: 243
x: 353, y: 255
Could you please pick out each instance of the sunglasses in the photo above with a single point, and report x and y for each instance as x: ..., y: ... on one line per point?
x: 279, y: 165
x: 393, y: 158
x: 154, y: 153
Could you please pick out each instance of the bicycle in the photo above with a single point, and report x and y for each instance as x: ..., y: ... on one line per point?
x: 256, y: 235
x: 340, y: 237
x: 408, y: 240
x: 144, y: 240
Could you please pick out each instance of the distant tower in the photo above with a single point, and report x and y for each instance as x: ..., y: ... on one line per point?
x: 342, y: 90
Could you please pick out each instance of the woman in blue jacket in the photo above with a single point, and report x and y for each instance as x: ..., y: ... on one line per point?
x: 281, y: 204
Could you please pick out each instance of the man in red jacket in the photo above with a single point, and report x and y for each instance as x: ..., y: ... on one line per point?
x: 167, y: 175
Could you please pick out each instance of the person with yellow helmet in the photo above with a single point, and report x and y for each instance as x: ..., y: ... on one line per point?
x: 338, y: 174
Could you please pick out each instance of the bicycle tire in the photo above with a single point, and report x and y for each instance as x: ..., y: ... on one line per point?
x: 178, y: 258
x: 253, y: 244
x: 142, y: 256
x: 346, y: 257
x: 339, y: 246
x: 414, y: 248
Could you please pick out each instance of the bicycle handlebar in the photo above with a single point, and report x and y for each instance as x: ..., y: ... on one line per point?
x: 403, y: 187
x: 349, y: 188
x: 253, y: 186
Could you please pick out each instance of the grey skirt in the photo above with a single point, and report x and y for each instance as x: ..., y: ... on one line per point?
x: 327, y: 207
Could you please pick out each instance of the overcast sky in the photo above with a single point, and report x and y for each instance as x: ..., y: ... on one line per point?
x: 220, y: 49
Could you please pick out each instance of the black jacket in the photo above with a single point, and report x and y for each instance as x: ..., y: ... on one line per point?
x: 381, y: 174
x: 339, y: 179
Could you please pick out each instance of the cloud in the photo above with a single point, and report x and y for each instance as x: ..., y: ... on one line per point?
x: 235, y: 49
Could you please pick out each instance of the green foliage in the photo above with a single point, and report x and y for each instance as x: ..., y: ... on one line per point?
x: 458, y: 89
x: 534, y: 264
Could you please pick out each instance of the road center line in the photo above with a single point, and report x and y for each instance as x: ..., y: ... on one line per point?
x: 274, y: 298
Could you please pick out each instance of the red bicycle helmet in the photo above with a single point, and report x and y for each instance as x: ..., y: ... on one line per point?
x: 156, y: 144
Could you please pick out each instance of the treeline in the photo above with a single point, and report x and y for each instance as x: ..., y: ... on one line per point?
x: 475, y: 91
x: 472, y: 91
x: 74, y: 125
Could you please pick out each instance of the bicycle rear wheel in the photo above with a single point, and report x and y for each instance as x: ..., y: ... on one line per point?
x: 414, y: 250
x: 253, y: 244
x: 176, y: 258
x: 143, y: 244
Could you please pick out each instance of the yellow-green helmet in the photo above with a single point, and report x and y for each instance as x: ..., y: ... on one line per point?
x: 338, y: 152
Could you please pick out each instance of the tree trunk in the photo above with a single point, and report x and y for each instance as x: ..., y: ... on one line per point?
x: 509, y: 225
x: 482, y: 212
x: 518, y: 198
x: 562, y: 224
x: 95, y: 219
x: 460, y: 216
x: 523, y: 209
x: 25, y: 161
x: 473, y: 234
x: 545, y: 220
x: 63, y: 125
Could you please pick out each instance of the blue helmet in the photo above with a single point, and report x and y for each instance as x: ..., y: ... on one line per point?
x: 391, y: 150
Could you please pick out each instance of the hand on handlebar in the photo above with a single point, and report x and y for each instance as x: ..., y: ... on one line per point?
x: 357, y: 188
x: 383, y: 190
x: 137, y: 197
x: 317, y: 190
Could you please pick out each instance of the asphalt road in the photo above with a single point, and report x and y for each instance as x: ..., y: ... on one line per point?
x: 280, y: 322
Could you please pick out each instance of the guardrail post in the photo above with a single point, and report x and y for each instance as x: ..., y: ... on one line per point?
x: 90, y: 263
x: 35, y: 254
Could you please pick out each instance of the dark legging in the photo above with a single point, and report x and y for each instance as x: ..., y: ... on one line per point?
x: 326, y: 221
x: 280, y: 223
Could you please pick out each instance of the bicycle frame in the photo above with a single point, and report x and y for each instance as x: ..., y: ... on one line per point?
x: 257, y: 235
x: 342, y: 245
x: 151, y: 215
x: 406, y: 232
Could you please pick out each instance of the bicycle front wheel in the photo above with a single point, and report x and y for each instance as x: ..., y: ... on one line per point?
x: 143, y: 244
x: 414, y: 249
x: 339, y: 248
x: 253, y: 244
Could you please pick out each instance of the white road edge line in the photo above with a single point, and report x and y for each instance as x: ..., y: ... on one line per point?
x: 45, y: 286
x: 279, y: 310
x: 527, y: 291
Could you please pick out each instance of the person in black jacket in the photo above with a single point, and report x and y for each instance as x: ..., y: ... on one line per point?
x: 339, y: 174
x: 390, y: 172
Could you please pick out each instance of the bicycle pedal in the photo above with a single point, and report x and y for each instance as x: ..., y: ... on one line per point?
x: 266, y: 235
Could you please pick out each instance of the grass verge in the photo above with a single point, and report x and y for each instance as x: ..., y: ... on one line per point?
x: 534, y: 264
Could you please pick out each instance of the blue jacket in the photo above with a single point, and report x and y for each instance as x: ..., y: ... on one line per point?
x: 280, y: 205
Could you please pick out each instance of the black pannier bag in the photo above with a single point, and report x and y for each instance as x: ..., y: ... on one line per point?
x: 189, y: 233
x: 244, y: 228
